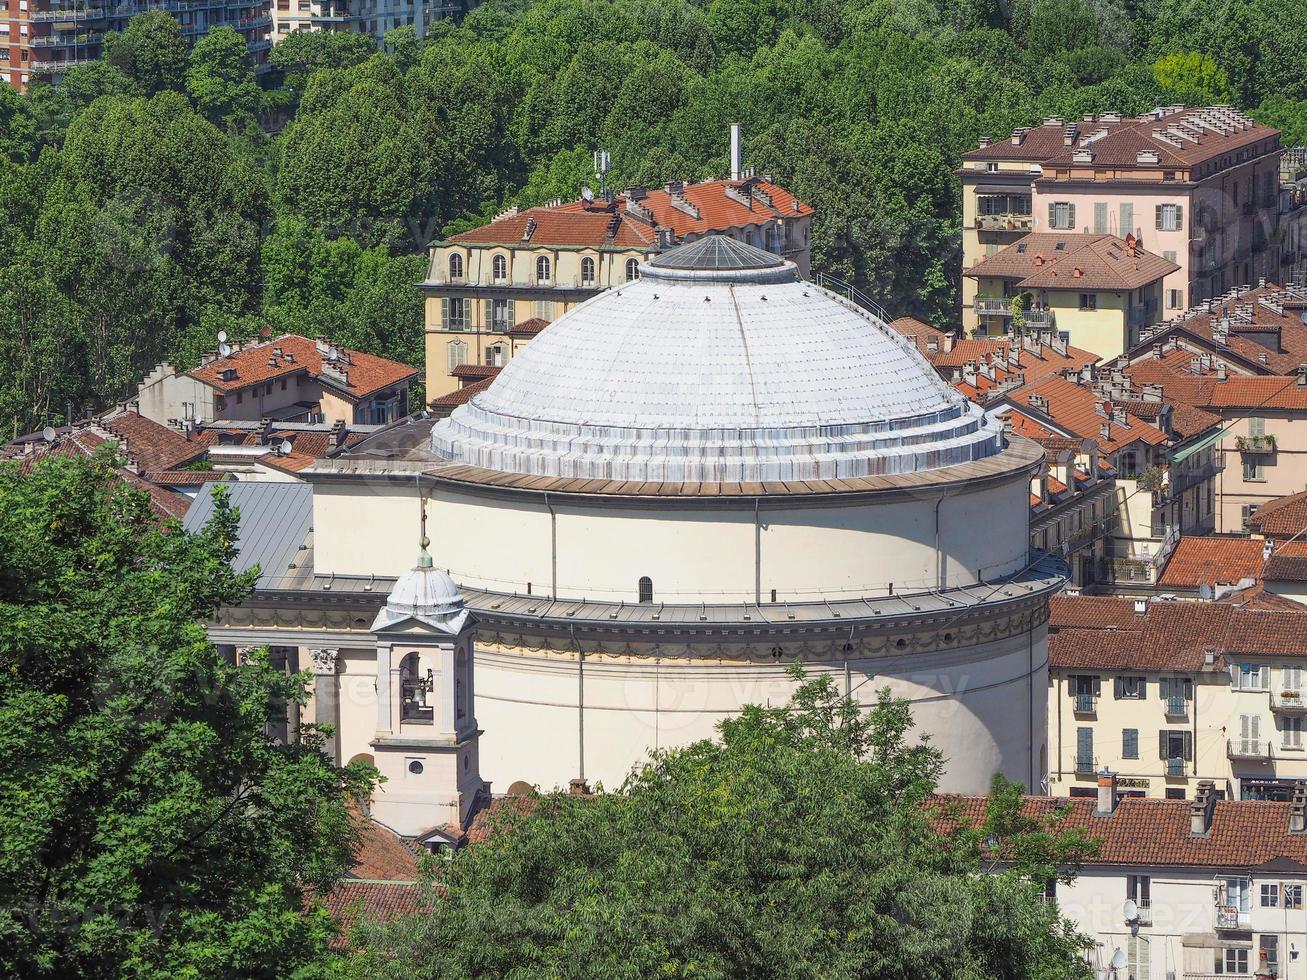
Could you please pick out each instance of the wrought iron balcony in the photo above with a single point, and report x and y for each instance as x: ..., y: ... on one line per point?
x: 1085, y: 766
x: 1175, y: 768
x: 1230, y: 917
x: 1289, y: 703
x: 1258, y: 749
x: 1145, y: 907
x: 1176, y: 707
x: 1006, y: 221
x: 1086, y: 704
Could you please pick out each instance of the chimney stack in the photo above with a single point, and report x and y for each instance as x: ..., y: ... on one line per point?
x: 1200, y: 811
x: 1106, y: 793
x: 735, y: 151
x: 1298, y: 810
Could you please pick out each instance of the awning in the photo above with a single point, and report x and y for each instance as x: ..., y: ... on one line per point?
x: 1211, y: 439
x: 1023, y: 189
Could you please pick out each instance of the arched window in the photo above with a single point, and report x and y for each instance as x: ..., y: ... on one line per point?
x: 499, y: 268
x: 646, y: 589
x: 632, y: 270
x: 456, y: 353
x: 455, y: 265
x: 542, y: 269
x: 587, y: 271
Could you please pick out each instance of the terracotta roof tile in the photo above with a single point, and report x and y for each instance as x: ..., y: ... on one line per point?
x: 366, y: 373
x: 528, y: 328
x: 149, y: 445
x: 476, y: 371
x: 1281, y: 518
x: 1099, y: 612
x: 1210, y: 561
x: 1073, y: 408
x: 462, y: 396
x: 1052, y: 260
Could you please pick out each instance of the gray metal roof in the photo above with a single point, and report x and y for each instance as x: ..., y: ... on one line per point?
x: 716, y: 252
x: 274, y: 522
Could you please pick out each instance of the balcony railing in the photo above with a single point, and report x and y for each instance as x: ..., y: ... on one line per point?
x: 1289, y: 702
x: 1010, y: 221
x: 996, y: 306
x: 1086, y: 704
x: 1230, y: 917
x: 1249, y: 748
x: 1181, y: 477
x: 1085, y: 766
x: 1176, y: 706
x: 1175, y: 768
x: 1145, y: 907
x: 1255, y: 444
x: 67, y: 40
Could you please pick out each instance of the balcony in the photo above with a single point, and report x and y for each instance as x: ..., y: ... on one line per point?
x: 1177, y: 707
x: 1181, y: 477
x: 1175, y: 769
x: 1289, y: 703
x: 67, y: 40
x: 1145, y: 907
x: 1085, y: 704
x: 1252, y: 749
x: 1085, y: 766
x: 1255, y: 444
x: 1231, y: 917
x: 1007, y: 221
x: 997, y: 306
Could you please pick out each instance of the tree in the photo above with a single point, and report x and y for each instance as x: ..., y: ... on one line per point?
x: 1192, y: 78
x: 151, y: 827
x: 220, y: 79
x: 150, y: 50
x: 799, y: 845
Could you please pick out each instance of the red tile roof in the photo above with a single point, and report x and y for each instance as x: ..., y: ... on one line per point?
x: 1098, y: 612
x: 462, y: 396
x: 528, y: 328
x: 1074, y: 409
x: 596, y: 228
x: 366, y: 374
x: 1064, y: 260
x: 1210, y: 561
x: 149, y: 445
x: 921, y: 334
x: 186, y: 478
x: 1282, y: 517
x: 476, y: 371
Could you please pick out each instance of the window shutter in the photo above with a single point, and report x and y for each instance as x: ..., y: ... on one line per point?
x: 1159, y: 217
x: 1143, y: 687
x: 1188, y: 688
x: 1187, y: 745
x: 512, y: 313
x: 1052, y: 215
x: 1179, y: 217
x: 1118, y: 688
x: 1098, y: 685
x: 1234, y: 676
x: 444, y: 312
x: 1161, y: 744
x: 1071, y: 216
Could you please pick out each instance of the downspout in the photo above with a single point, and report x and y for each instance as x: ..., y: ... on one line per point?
x: 580, y: 707
x: 757, y: 556
x: 939, y: 554
x: 553, y: 550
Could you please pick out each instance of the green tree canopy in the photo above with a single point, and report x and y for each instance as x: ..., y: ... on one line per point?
x: 799, y: 845
x: 150, y: 825
x: 220, y: 79
x: 1192, y: 78
x: 150, y: 50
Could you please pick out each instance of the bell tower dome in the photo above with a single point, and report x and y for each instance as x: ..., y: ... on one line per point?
x: 426, y: 742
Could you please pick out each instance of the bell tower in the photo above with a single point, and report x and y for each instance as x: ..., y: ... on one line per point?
x: 426, y: 742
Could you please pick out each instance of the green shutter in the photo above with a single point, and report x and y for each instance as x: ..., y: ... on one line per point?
x: 1071, y: 216
x: 1158, y: 214
x: 1179, y: 217
x: 1052, y: 215
x: 444, y: 312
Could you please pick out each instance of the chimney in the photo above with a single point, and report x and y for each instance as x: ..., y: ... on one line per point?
x: 1302, y: 375
x: 578, y: 787
x: 1141, y: 607
x: 949, y: 340
x: 1298, y: 810
x: 984, y: 142
x: 1222, y: 372
x: 1106, y: 793
x: 1200, y: 811
x: 265, y: 429
x: 334, y: 436
x: 735, y: 151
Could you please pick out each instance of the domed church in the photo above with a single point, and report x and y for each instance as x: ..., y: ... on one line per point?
x: 675, y: 491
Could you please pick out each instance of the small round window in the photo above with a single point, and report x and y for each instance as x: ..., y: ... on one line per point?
x: 415, y: 767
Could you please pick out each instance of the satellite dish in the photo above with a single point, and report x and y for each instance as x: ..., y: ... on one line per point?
x: 222, y: 336
x: 224, y: 350
x: 285, y: 447
x: 1204, y: 591
x: 48, y: 433
x: 587, y: 194
x: 1118, y: 959
x: 1130, y: 910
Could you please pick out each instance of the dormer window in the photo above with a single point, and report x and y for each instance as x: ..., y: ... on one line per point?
x: 543, y: 270
x: 499, y: 268
x: 632, y: 270
x: 455, y: 266
x: 587, y: 271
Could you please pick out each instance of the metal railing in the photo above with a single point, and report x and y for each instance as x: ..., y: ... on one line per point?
x: 1145, y: 907
x: 1230, y: 917
x: 1085, y: 765
x: 1248, y: 748
x: 852, y: 293
x: 1176, y: 706
x: 1086, y: 704
x: 1289, y: 702
x: 1007, y: 221
x: 1175, y: 768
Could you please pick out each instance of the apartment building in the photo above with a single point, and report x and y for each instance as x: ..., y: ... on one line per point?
x: 1198, y: 186
x: 1162, y: 462
x: 488, y: 289
x: 1293, y: 216
x: 1194, y: 889
x: 1097, y: 291
x: 284, y: 379
x: 44, y: 38
x: 1167, y: 693
x: 374, y: 17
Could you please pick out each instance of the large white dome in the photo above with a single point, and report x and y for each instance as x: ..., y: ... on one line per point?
x: 719, y: 364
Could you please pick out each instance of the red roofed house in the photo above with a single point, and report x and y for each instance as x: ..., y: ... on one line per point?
x: 285, y: 379
x: 486, y: 287
x: 1198, y: 186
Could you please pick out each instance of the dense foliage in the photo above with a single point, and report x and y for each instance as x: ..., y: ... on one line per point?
x: 149, y: 827
x: 143, y: 206
x: 774, y: 852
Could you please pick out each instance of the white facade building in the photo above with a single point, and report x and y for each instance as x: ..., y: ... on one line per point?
x: 676, y: 490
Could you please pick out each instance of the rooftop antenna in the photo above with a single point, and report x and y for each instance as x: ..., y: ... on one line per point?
x: 224, y: 350
x: 602, y: 164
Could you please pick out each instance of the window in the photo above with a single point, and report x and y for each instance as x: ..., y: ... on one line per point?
x: 1174, y: 299
x: 1249, y: 677
x: 1169, y: 217
x: 1175, y: 743
x: 991, y: 168
x: 632, y: 270
x: 1270, y: 949
x: 1256, y: 427
x: 1084, y: 684
x: 543, y: 270
x: 1139, y: 959
x: 545, y: 309
x: 455, y: 354
x: 1168, y: 254
x: 499, y: 268
x: 1127, y: 219
x: 1130, y: 688
x: 454, y: 313
x: 495, y: 355
x: 1130, y: 743
x: 1232, y: 960
x: 456, y: 266
x: 1250, y: 734
x: 1236, y: 893
x: 1127, y: 465
x: 587, y: 271
x: 1176, y: 687
x: 1089, y: 301
x: 1254, y: 470
x: 501, y: 314
x: 646, y: 589
x: 1293, y: 896
x: 1084, y: 750
x: 1100, y: 218
x: 1268, y: 896
x: 1138, y: 888
x: 1291, y: 680
x: 1061, y: 214
x: 1292, y: 732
